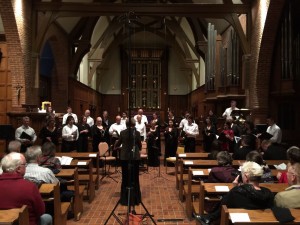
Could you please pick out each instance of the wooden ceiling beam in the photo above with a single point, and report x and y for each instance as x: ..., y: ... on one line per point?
x: 67, y: 9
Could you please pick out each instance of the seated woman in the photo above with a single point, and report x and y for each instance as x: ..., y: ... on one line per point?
x: 248, y: 195
x: 224, y: 172
x: 47, y: 159
x: 293, y: 155
x: 255, y: 156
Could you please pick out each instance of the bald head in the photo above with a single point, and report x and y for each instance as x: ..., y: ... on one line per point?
x: 140, y: 112
x: 87, y: 113
x: 118, y: 119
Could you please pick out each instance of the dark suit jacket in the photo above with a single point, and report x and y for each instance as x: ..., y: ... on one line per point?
x: 275, y: 152
x: 126, y: 140
x: 240, y: 153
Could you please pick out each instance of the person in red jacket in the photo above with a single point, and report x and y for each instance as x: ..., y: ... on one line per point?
x: 16, y: 192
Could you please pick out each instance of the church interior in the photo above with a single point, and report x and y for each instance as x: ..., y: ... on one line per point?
x: 156, y: 55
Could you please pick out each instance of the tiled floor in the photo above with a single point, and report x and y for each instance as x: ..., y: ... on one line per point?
x: 159, y: 196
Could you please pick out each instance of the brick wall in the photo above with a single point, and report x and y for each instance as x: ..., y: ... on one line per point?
x: 16, y: 43
x: 262, y: 45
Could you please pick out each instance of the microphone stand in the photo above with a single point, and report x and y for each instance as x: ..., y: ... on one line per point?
x: 131, y: 138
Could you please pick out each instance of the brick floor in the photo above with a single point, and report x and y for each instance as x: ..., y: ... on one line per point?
x: 159, y: 196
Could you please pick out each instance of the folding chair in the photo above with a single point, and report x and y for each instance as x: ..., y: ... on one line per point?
x: 104, y: 154
x: 144, y: 154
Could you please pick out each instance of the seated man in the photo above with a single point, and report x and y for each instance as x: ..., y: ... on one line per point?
x: 272, y: 151
x: 290, y: 197
x: 14, y: 146
x: 16, y: 192
x: 248, y: 195
x: 34, y: 171
x: 244, y: 149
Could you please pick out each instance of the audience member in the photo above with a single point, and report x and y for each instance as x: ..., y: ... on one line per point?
x: 228, y: 111
x: 25, y: 134
x: 69, y: 135
x: 248, y: 195
x: 69, y: 113
x: 89, y: 119
x: 255, y: 156
x: 16, y: 192
x: 290, y: 197
x: 48, y: 159
x: 272, y: 151
x: 274, y: 130
x: 224, y: 172
x: 244, y: 149
x: 293, y: 155
x: 191, y: 132
x: 37, y: 173
x: 14, y: 146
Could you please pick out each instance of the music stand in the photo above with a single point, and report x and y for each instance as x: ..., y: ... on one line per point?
x: 7, y: 133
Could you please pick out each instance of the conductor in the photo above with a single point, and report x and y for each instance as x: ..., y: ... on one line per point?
x: 130, y: 140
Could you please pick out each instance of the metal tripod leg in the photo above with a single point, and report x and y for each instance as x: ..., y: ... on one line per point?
x: 113, y: 214
x: 105, y: 173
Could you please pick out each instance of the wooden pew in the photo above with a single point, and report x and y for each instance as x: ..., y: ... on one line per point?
x: 17, y: 216
x: 85, y: 176
x: 184, y: 164
x: 71, y: 175
x: 51, y: 192
x: 94, y: 156
x: 185, y: 156
x: 209, y: 189
x: 257, y: 216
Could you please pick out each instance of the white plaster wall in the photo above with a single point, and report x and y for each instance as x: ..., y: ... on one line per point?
x: 177, y: 78
x: 1, y: 26
x: 202, y: 71
x: 110, y: 76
